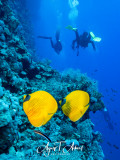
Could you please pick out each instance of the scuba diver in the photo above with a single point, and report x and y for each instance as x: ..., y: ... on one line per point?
x: 107, y: 118
x: 57, y: 46
x: 83, y: 40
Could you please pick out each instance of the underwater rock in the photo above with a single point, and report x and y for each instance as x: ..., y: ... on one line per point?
x: 7, y: 32
x: 69, y: 142
x: 2, y: 23
x: 13, y: 23
x: 17, y: 67
x: 96, y: 151
x: 0, y: 3
x: 86, y: 131
x: 1, y: 91
x: 4, y: 66
x: 2, y: 37
x: 38, y: 76
x: 26, y: 62
x: 23, y: 74
x: 3, y: 52
x: 21, y: 48
x: 5, y: 116
x: 97, y: 106
x: 93, y: 99
x: 12, y: 151
x: 1, y: 30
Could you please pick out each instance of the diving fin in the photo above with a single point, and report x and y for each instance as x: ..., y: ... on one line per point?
x: 96, y: 39
x: 71, y: 28
x: 92, y: 34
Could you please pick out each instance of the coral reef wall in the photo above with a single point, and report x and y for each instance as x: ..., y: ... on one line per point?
x: 25, y: 27
x: 20, y: 75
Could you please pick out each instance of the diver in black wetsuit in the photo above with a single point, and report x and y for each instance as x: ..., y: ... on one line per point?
x: 82, y: 40
x: 107, y: 118
x: 57, y: 46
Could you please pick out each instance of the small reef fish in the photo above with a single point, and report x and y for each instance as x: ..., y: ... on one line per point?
x: 109, y: 143
x: 95, y: 70
x: 39, y: 107
x: 115, y: 146
x: 75, y: 104
x: 113, y: 90
x: 115, y: 112
x: 43, y: 135
x: 112, y: 99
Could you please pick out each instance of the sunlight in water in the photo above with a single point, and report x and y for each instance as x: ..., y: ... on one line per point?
x: 74, y: 11
x: 73, y: 14
x: 73, y: 3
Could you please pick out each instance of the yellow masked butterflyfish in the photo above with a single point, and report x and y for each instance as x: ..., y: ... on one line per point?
x: 75, y: 104
x: 39, y: 107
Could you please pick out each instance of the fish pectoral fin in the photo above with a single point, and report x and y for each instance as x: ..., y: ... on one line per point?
x: 50, y: 113
x: 87, y: 105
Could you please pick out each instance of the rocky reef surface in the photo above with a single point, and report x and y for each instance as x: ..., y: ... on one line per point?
x: 20, y: 75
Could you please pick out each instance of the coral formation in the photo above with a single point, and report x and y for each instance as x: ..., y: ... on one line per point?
x: 20, y: 75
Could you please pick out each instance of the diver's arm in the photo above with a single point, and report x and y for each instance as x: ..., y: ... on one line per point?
x: 52, y: 43
x: 43, y: 37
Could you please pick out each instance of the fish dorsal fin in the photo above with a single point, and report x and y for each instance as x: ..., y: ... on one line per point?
x: 62, y: 102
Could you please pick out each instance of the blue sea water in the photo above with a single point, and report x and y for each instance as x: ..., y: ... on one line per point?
x: 103, y: 19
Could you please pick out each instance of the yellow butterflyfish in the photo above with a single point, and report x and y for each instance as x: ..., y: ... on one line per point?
x: 75, y: 104
x: 39, y: 107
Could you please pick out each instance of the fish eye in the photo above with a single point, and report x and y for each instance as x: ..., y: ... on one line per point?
x: 27, y: 95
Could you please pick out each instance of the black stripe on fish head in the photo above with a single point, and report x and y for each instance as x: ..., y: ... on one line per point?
x: 63, y: 102
x: 27, y: 98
